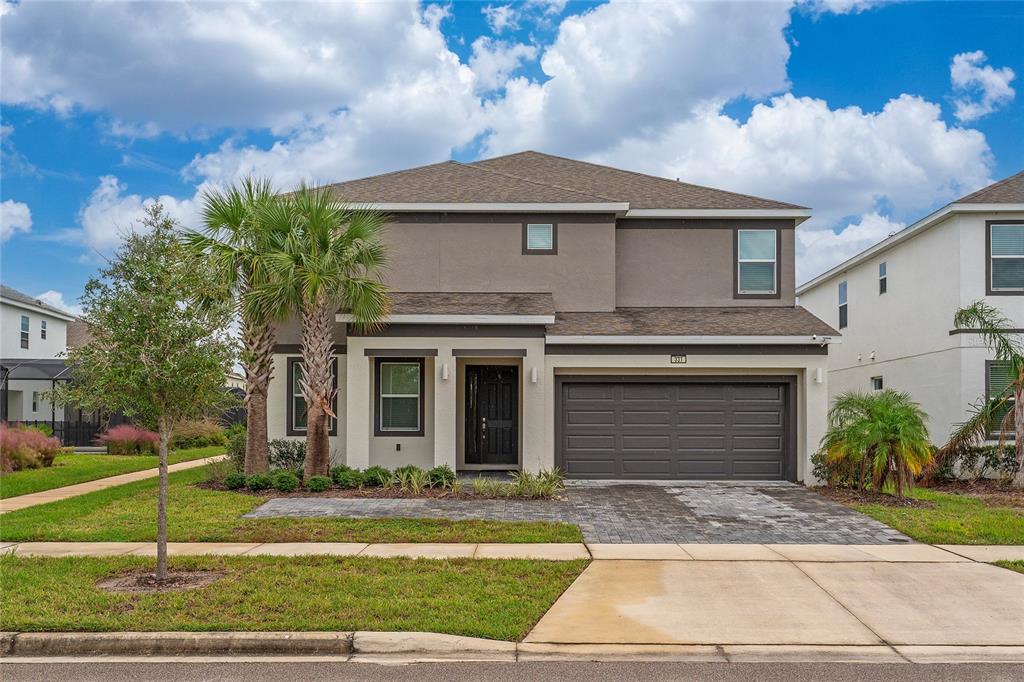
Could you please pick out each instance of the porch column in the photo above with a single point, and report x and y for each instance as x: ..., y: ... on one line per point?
x: 444, y: 409
x: 357, y: 407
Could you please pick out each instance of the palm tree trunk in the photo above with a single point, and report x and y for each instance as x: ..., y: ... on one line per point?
x: 161, y: 505
x: 318, y: 384
x: 258, y: 362
x: 1018, y: 428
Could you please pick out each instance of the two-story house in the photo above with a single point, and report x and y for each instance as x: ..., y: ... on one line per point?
x: 894, y: 304
x: 33, y: 339
x: 548, y: 312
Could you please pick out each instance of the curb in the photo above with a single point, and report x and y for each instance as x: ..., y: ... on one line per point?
x: 174, y: 643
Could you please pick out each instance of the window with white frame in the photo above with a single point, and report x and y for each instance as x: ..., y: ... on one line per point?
x: 883, y: 278
x: 1006, y: 258
x: 757, y: 262
x: 877, y: 384
x: 400, y: 396
x: 42, y: 330
x: 24, y: 331
x: 35, y: 401
x: 843, y: 307
x: 540, y: 238
x: 297, y: 417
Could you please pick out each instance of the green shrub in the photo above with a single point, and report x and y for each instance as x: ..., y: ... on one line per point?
x: 44, y: 429
x: 235, y: 480
x: 351, y: 478
x: 406, y: 469
x: 217, y: 471
x: 377, y: 477
x: 287, y: 454
x: 285, y: 481
x: 441, y: 476
x: 985, y: 461
x: 318, y: 484
x: 234, y: 429
x: 259, y: 482
x: 544, y: 484
x: 200, y: 433
x: 411, y: 479
x: 236, y: 450
x: 336, y: 472
x: 489, y: 487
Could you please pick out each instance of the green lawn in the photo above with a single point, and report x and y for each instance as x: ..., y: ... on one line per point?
x: 498, y: 599
x: 71, y: 469
x: 1012, y: 565
x: 128, y: 513
x: 954, y: 520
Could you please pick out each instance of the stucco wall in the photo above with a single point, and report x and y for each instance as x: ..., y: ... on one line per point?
x: 277, y: 405
x: 54, y: 344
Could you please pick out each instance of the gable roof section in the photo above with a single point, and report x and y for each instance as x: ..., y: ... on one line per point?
x: 761, y: 321
x: 639, y: 190
x: 16, y: 297
x: 446, y: 307
x: 1004, y: 195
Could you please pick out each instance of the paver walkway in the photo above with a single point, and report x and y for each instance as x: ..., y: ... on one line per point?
x: 44, y: 496
x: 639, y: 512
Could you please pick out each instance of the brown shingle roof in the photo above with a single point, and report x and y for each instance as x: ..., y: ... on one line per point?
x: 1008, y: 191
x: 466, y: 303
x: 737, y: 321
x: 641, y: 191
x: 15, y: 295
x: 454, y: 182
x: 78, y: 334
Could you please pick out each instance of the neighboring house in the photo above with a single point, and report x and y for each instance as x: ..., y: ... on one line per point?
x: 894, y: 304
x: 548, y: 312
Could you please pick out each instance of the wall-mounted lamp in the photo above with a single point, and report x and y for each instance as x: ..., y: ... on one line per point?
x: 872, y: 355
x: 444, y: 372
x: 819, y: 375
x: 533, y: 375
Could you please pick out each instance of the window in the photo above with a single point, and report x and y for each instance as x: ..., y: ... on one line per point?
x: 876, y: 384
x: 883, y: 285
x: 540, y: 238
x: 399, y: 391
x: 757, y: 260
x: 35, y: 401
x: 42, y: 329
x: 24, y: 331
x: 843, y: 312
x: 997, y: 380
x: 1006, y: 258
x: 297, y: 399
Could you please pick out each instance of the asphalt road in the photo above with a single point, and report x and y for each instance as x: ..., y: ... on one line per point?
x: 506, y: 672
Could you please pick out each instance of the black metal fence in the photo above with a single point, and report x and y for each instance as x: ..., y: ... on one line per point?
x: 71, y: 434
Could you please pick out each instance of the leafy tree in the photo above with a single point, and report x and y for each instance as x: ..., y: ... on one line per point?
x: 879, y: 435
x: 1002, y: 413
x: 330, y: 258
x: 233, y: 245
x: 153, y: 353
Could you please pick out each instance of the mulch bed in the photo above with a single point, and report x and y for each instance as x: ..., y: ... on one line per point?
x: 146, y: 582
x: 991, y: 492
x: 849, y: 497
x: 369, y: 493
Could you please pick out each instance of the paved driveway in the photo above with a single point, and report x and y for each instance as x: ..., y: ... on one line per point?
x: 680, y: 512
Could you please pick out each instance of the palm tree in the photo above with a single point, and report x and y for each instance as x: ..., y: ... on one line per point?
x: 233, y: 243
x: 330, y: 258
x: 881, y: 434
x: 1003, y: 412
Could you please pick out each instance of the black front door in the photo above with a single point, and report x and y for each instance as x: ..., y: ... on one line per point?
x: 492, y: 414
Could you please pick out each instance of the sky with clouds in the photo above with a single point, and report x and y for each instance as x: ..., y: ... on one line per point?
x: 872, y: 113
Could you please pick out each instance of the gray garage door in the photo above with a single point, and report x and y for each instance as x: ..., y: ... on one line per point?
x: 669, y: 429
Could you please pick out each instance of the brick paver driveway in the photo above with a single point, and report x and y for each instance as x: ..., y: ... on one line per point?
x: 607, y: 512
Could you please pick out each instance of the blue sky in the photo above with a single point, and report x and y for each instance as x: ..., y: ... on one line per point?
x: 853, y: 108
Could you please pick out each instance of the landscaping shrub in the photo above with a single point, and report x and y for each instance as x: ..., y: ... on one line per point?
x: 411, y: 479
x: 127, y: 439
x: 489, y: 487
x: 285, y: 481
x: 235, y: 480
x: 406, y: 469
x: 287, y: 454
x: 259, y: 482
x: 217, y: 471
x: 985, y: 461
x: 201, y: 433
x: 544, y: 484
x: 336, y: 472
x: 349, y: 478
x: 44, y: 429
x: 441, y: 476
x: 236, y: 450
x: 840, y: 473
x: 318, y: 484
x: 25, y: 449
x: 377, y: 477
x: 234, y: 429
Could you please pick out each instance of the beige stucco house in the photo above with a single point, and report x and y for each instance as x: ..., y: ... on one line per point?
x: 552, y: 313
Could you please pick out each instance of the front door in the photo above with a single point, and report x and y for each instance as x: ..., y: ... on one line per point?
x: 492, y: 414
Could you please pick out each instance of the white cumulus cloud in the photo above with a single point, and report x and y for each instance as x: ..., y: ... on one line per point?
x: 111, y: 213
x: 14, y: 217
x: 56, y: 299
x: 823, y: 249
x: 493, y: 61
x: 980, y: 89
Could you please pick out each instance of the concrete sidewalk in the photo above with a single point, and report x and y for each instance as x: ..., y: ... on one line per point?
x: 44, y: 496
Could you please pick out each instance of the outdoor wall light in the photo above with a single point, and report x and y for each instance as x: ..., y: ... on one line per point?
x: 444, y: 372
x: 818, y: 375
x: 533, y: 375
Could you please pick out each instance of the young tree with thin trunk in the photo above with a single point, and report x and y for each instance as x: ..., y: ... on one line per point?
x: 233, y: 244
x: 330, y: 260
x: 1002, y: 413
x: 154, y: 354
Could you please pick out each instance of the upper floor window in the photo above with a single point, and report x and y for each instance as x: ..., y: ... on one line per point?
x: 1006, y: 258
x: 399, y: 397
x: 883, y: 283
x: 297, y: 418
x: 24, y: 331
x: 42, y: 329
x: 757, y: 261
x: 540, y: 238
x: 843, y: 307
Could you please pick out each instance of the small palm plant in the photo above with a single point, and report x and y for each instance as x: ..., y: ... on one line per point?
x: 881, y: 436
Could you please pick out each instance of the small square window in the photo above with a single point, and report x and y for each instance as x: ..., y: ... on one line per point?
x: 540, y: 238
x: 883, y: 283
x: 756, y: 262
x: 876, y: 384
